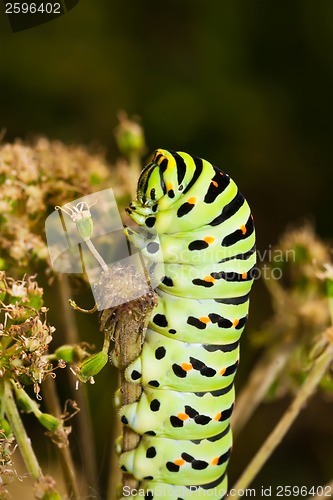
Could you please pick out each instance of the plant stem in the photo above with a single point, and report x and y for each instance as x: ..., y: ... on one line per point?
x: 115, y: 474
x: 89, y: 482
x: 260, y: 380
x: 67, y: 464
x: 127, y: 323
x: 20, y: 434
x: 130, y: 328
x: 318, y: 370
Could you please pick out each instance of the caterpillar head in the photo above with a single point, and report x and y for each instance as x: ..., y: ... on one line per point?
x: 160, y: 184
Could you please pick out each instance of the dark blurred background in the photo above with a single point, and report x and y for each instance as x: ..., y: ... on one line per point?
x: 244, y: 84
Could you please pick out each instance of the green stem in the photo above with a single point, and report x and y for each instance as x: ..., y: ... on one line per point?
x: 20, y: 434
x: 317, y: 372
x: 29, y: 405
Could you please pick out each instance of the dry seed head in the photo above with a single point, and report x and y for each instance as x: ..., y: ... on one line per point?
x: 32, y: 180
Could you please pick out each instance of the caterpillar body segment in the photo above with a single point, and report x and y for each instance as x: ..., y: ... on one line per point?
x: 182, y: 366
x: 180, y: 414
x: 165, y: 459
x: 204, y: 244
x: 210, y: 321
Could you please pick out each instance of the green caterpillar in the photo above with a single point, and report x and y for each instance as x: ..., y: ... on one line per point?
x: 204, y: 257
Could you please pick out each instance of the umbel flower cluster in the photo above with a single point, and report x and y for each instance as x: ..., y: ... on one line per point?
x: 302, y: 308
x: 25, y: 335
x: 24, y: 361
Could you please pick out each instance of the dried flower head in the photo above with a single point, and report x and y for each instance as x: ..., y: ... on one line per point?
x: 24, y: 333
x: 33, y: 179
x: 300, y: 305
x: 305, y: 252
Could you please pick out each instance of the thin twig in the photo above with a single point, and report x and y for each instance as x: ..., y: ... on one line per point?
x: 115, y: 475
x: 260, y: 380
x: 20, y: 434
x: 317, y: 372
x: 53, y: 405
x: 84, y: 421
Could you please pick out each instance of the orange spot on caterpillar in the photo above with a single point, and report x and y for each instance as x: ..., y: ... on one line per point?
x: 183, y: 416
x: 204, y: 319
x: 215, y: 184
x: 244, y: 275
x: 218, y: 416
x: 209, y: 239
x: 169, y: 186
x: 243, y: 229
x: 192, y: 200
x: 187, y: 366
x: 222, y: 371
x: 235, y: 322
x: 209, y: 279
x: 215, y: 461
x: 179, y: 462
